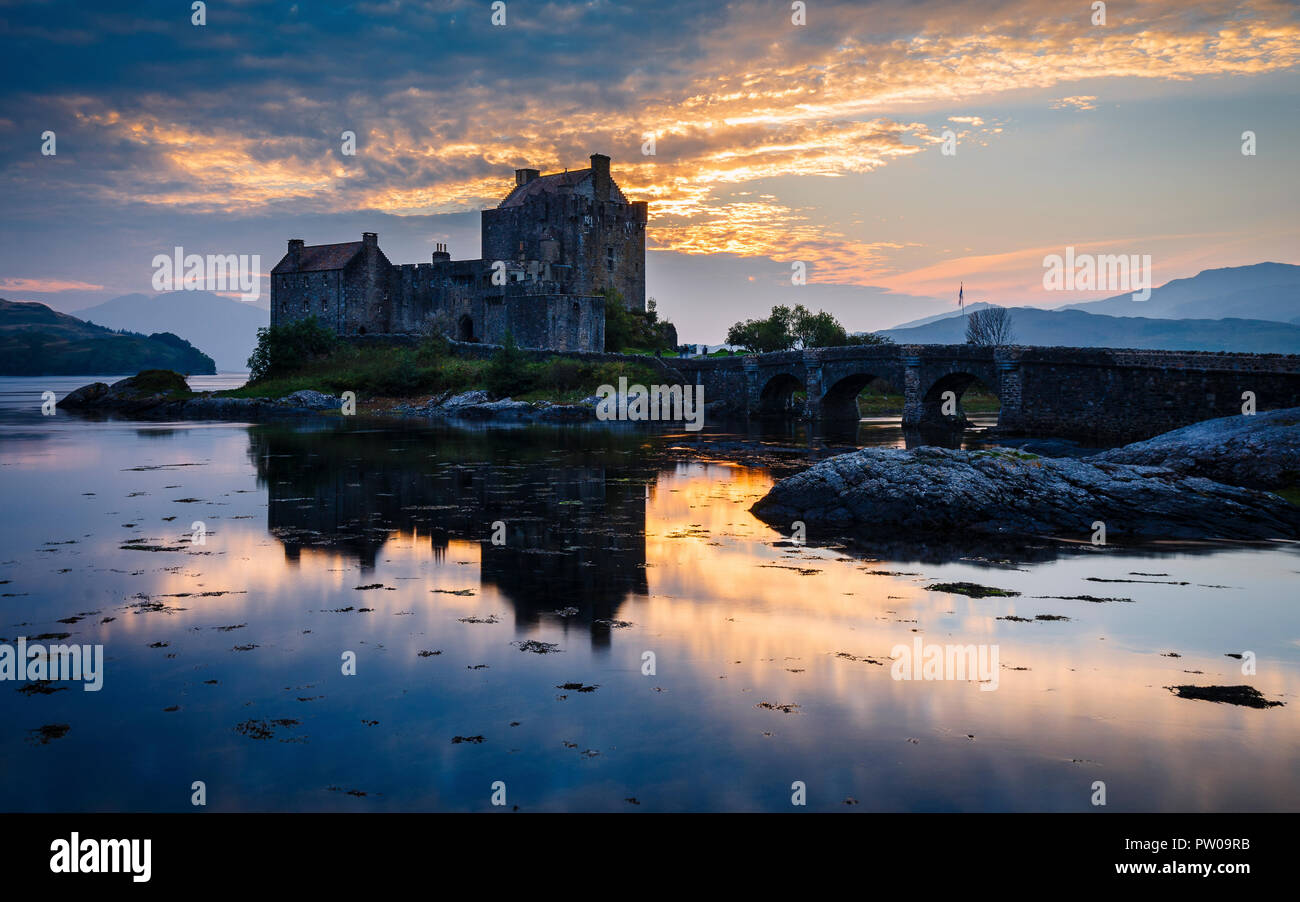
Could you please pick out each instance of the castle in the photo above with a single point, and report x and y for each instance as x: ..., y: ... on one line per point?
x: 549, y: 252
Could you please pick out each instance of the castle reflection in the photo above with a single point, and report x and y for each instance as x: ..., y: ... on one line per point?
x: 558, y: 528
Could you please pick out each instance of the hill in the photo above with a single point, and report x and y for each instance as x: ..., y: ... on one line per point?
x: 38, y: 341
x: 926, y: 320
x: 1075, y: 328
x: 1268, y: 291
x: 224, y: 329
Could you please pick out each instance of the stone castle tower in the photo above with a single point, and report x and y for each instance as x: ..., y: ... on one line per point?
x: 550, y: 250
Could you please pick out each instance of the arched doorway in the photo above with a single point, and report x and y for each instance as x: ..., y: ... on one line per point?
x: 465, y: 328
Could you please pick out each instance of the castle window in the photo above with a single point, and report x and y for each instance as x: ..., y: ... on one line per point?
x: 609, y: 258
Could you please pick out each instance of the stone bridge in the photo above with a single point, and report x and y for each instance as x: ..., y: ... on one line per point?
x: 1106, y: 394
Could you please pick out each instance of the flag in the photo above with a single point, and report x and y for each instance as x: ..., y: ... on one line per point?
x: 961, y: 297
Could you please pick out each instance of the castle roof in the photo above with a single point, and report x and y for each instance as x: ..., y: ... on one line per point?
x: 553, y: 184
x: 321, y: 257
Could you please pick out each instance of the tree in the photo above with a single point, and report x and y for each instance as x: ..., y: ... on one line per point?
x: 618, y: 322
x: 281, y: 349
x: 762, y: 335
x: 787, y: 328
x: 817, y: 330
x: 990, y: 327
x: 638, y: 330
x: 870, y: 338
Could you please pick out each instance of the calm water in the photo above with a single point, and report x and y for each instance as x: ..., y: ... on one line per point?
x: 224, y: 658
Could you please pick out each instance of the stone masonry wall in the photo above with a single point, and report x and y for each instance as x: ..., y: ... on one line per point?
x: 1106, y: 395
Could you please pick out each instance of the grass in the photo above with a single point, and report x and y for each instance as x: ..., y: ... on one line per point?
x: 648, y: 352
x: 872, y: 403
x: 162, y: 382
x: 1006, y: 454
x: 1291, y: 493
x: 405, y: 372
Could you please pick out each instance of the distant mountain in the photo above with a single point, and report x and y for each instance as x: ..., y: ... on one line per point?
x: 223, y: 328
x: 38, y: 341
x: 926, y: 320
x: 1262, y: 291
x: 1075, y: 328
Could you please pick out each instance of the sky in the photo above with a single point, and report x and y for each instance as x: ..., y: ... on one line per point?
x: 774, y: 142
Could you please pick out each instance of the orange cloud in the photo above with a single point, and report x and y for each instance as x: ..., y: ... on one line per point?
x: 1080, y: 102
x: 762, y: 106
x: 46, y: 286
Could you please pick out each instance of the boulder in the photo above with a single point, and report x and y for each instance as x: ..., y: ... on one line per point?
x: 1261, y: 451
x: 311, y: 400
x: 145, y: 390
x: 934, y: 492
x: 465, y: 399
x: 86, y: 396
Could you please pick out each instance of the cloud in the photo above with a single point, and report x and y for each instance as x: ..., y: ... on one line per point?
x: 45, y: 286
x: 1082, y: 102
x: 244, y: 116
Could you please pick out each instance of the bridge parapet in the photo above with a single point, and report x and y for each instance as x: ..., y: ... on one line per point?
x: 1103, y: 394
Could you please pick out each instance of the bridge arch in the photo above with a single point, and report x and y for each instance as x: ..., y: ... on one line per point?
x: 940, y: 409
x: 777, y: 394
x: 840, y: 400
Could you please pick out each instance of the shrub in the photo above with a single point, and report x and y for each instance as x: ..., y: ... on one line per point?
x: 563, y: 375
x: 433, y: 349
x: 507, y: 372
x: 160, y: 382
x: 282, y: 349
x: 398, y: 376
x: 636, y: 329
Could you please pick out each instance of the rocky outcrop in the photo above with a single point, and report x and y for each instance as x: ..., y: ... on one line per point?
x: 162, y: 393
x: 143, y: 391
x: 476, y: 405
x: 937, y: 492
x: 1261, y: 451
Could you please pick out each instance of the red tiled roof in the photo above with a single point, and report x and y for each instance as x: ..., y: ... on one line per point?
x: 321, y: 257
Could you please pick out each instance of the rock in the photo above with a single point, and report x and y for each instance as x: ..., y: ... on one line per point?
x: 311, y: 400
x: 474, y: 404
x: 162, y: 393
x: 150, y: 383
x: 465, y: 399
x: 565, y: 413
x: 86, y: 396
x: 145, y: 390
x: 934, y: 492
x: 1260, y: 451
x: 207, y: 406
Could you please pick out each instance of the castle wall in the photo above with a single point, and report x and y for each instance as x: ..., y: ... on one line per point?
x: 298, y: 295
x: 603, y: 242
x: 561, y: 251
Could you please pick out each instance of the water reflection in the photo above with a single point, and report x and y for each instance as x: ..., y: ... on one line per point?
x: 554, y: 532
x: 378, y: 541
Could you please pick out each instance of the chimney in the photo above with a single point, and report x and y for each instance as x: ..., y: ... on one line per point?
x: 441, y: 254
x: 370, y: 239
x: 295, y: 252
x: 600, y: 176
x: 524, y: 176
